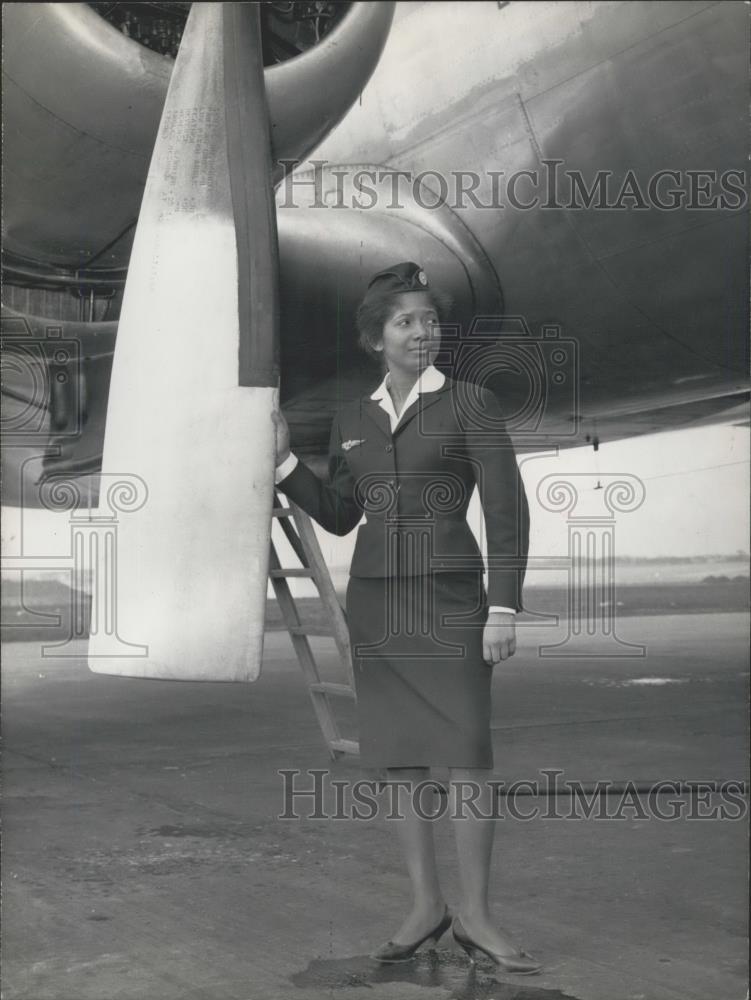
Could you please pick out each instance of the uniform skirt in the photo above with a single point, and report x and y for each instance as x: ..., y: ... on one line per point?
x: 423, y: 688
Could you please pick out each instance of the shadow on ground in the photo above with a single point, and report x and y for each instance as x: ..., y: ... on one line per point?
x: 440, y: 969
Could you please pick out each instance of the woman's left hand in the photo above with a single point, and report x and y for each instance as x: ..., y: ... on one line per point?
x: 498, y: 637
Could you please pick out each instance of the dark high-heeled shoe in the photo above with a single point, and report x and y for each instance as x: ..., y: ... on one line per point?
x: 393, y: 952
x: 521, y: 963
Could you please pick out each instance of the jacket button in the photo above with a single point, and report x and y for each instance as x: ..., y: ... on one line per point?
x: 389, y: 447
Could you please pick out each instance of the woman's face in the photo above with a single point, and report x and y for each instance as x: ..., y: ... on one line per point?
x: 411, y: 336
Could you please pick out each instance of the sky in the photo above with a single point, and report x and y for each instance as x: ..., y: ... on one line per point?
x: 696, y: 485
x: 696, y: 499
x: 696, y: 502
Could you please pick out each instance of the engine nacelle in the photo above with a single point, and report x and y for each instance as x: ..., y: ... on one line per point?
x: 78, y: 136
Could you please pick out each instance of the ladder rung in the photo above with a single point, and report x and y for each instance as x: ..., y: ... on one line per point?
x: 299, y: 533
x: 310, y: 630
x: 326, y: 687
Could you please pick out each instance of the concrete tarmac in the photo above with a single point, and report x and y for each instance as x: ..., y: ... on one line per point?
x: 144, y: 857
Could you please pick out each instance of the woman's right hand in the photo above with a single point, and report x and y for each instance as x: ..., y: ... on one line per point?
x: 282, y: 436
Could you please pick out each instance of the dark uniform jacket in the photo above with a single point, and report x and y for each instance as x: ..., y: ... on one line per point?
x: 414, y: 486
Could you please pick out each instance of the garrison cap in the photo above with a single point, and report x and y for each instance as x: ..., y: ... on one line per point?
x: 404, y: 277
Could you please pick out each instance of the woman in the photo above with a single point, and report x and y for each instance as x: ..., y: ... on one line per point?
x: 425, y: 634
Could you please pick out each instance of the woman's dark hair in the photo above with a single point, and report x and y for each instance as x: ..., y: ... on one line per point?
x: 375, y: 309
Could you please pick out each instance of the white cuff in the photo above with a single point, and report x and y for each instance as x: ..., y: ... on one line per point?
x: 497, y: 607
x: 287, y: 466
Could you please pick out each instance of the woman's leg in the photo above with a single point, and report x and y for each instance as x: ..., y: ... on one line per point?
x: 415, y: 834
x: 471, y: 799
